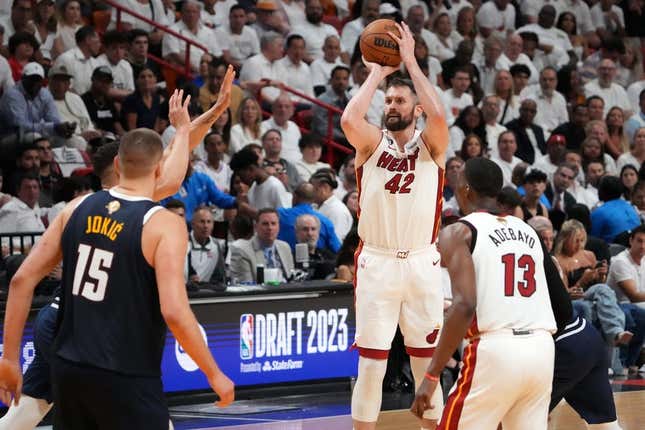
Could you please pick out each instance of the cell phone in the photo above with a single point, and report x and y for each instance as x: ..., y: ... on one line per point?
x: 599, y: 264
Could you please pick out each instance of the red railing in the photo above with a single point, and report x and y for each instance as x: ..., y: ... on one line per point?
x: 186, y: 71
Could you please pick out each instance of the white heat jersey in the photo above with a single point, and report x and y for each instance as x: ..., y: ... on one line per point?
x: 512, y: 292
x: 399, y: 196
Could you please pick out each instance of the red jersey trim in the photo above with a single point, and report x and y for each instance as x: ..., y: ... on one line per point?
x: 419, y: 352
x: 375, y: 354
x: 438, y: 204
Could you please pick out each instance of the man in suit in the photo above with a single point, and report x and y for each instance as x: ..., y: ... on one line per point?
x: 556, y: 191
x: 530, y: 137
x: 262, y: 249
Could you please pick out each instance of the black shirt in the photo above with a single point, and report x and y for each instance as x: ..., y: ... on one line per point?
x: 110, y: 317
x: 103, y: 115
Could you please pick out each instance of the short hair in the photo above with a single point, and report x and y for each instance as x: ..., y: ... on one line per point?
x: 235, y: 7
x: 268, y: 38
x: 202, y: 208
x: 580, y: 213
x: 244, y: 158
x: 271, y: 130
x: 175, y: 204
x: 454, y: 159
x: 304, y: 216
x: 610, y: 188
x: 310, y: 139
x: 540, y: 223
x: 114, y: 37
x: 26, y: 147
x: 613, y: 44
x: 325, y: 175
x: 484, y: 176
x: 304, y: 193
x: 595, y: 97
x: 137, y: 32
x: 139, y: 152
x: 516, y: 69
x: 266, y: 211
x: 65, y: 190
x: 533, y: 176
x: 529, y: 36
x: 104, y: 157
x: 509, y: 197
x: 22, y: 37
x: 242, y: 227
x: 339, y: 68
x: 401, y: 82
x: 638, y: 230
x: 83, y: 33
x: 293, y: 37
x: 26, y: 176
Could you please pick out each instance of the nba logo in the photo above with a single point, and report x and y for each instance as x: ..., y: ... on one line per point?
x: 246, y: 336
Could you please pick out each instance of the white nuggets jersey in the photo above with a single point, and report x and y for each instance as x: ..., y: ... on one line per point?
x: 399, y: 196
x: 512, y: 292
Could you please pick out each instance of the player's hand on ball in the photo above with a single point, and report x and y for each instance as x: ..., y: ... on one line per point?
x: 178, y: 111
x: 10, y: 381
x: 422, y: 398
x: 225, y: 389
x: 405, y: 42
x: 382, y: 70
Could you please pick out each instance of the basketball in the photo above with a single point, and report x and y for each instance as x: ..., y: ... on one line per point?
x: 377, y: 46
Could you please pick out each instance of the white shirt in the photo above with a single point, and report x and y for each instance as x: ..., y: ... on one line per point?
x: 67, y: 35
x: 6, y: 78
x: 269, y: 194
x: 550, y: 113
x: 531, y: 8
x: 259, y: 67
x: 205, y: 36
x: 375, y: 111
x: 489, y: 16
x: 521, y: 59
x: 455, y: 7
x: 79, y: 67
x: 624, y: 268
x: 240, y: 138
x: 321, y: 70
x: 492, y: 136
x: 121, y: 73
x: 297, y: 77
x: 290, y: 138
x: 295, y: 11
x: 221, y: 177
x: 600, y: 19
x: 544, y: 164
x: 351, y: 32
x: 305, y: 170
x: 46, y: 45
x: 72, y: 109
x: 507, y: 168
x: 339, y: 214
x: 154, y: 10
x: 17, y: 217
x: 551, y: 36
x: 240, y: 46
x: 457, y: 104
x: 487, y: 74
x: 204, y: 258
x: 69, y: 159
x: 633, y: 91
x: 614, y: 95
x: 625, y: 159
x: 222, y: 9
x: 314, y: 36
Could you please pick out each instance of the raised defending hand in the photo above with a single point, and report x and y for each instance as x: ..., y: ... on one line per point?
x: 10, y: 381
x: 383, y: 71
x: 178, y: 112
x: 422, y: 398
x: 223, y: 98
x: 224, y: 387
x: 405, y: 42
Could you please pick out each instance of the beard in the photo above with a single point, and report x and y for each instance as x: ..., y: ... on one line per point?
x: 314, y: 18
x: 396, y: 122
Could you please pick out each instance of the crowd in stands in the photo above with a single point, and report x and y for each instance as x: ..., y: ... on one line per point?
x: 552, y: 91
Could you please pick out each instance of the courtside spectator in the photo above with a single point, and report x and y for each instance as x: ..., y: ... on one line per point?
x: 615, y: 216
x: 22, y: 213
x: 626, y: 276
x: 206, y: 254
x: 322, y: 262
x: 49, y: 172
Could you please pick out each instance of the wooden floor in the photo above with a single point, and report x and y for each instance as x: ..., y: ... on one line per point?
x: 630, y: 407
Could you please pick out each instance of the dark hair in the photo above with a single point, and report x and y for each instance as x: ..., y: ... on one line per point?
x: 22, y: 37
x: 613, y: 44
x: 533, y: 176
x: 26, y: 147
x: 638, y: 230
x: 137, y: 32
x: 627, y: 191
x: 561, y: 18
x: 484, y: 176
x: 463, y: 152
x: 235, y: 7
x: 516, y: 69
x: 244, y: 158
x: 508, y: 197
x: 293, y: 37
x: 401, y: 82
x: 175, y: 204
x: 480, y: 130
x: 304, y: 193
x: 564, y: 80
x: 348, y: 248
x: 26, y: 176
x: 641, y: 95
x: 242, y: 227
x: 67, y: 187
x: 114, y: 37
x: 610, y: 188
x: 104, y: 157
x: 326, y: 175
x: 590, y: 99
x: 266, y: 211
x: 580, y: 213
x: 530, y: 36
x: 337, y: 68
x: 83, y: 33
x: 310, y: 139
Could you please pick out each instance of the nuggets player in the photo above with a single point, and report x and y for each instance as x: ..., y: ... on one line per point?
x: 400, y: 179
x: 507, y: 297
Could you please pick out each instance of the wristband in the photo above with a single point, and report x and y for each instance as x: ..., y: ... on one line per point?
x: 431, y: 378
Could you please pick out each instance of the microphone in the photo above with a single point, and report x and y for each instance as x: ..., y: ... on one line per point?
x: 302, y: 255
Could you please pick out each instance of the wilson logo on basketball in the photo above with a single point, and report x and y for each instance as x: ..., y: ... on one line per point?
x: 385, y: 43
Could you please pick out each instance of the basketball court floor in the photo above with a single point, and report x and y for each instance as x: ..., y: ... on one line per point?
x: 330, y: 411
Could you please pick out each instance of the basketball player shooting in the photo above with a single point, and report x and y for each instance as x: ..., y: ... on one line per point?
x: 400, y: 178
x: 144, y: 172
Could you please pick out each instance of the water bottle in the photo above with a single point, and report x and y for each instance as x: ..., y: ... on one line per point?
x: 259, y: 274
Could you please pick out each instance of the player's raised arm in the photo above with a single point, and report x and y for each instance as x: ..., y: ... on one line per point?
x: 166, y: 240
x: 455, y: 242
x: 42, y: 259
x: 362, y: 135
x: 435, y: 135
x: 176, y: 155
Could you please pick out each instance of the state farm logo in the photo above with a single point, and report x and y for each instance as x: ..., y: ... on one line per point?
x: 246, y: 336
x: 183, y: 358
